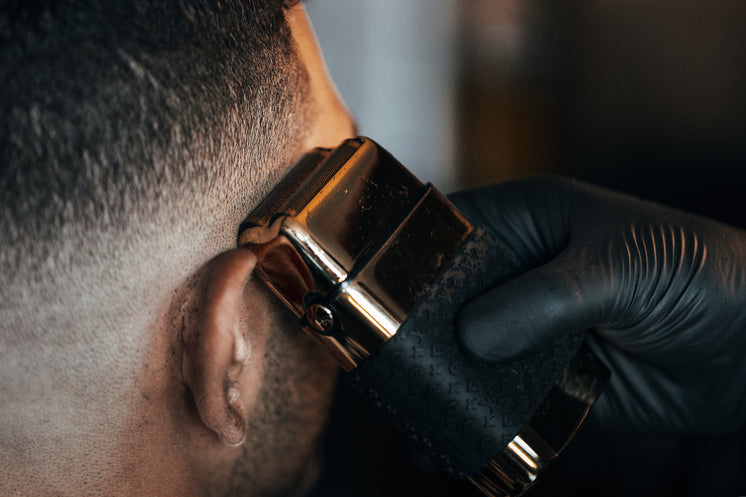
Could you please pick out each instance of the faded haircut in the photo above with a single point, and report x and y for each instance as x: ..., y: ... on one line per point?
x: 116, y: 113
x: 124, y: 125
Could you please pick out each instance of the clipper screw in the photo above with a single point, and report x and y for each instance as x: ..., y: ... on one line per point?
x: 320, y: 318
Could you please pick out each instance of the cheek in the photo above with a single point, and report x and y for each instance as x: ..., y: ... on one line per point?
x: 281, y: 454
x: 295, y: 363
x: 300, y: 387
x: 302, y: 369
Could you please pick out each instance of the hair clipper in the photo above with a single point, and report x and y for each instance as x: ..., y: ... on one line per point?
x: 376, y: 265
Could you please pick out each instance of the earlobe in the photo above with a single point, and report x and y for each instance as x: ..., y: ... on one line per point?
x: 216, y: 344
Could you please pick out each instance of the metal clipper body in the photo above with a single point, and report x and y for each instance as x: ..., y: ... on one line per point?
x: 376, y: 265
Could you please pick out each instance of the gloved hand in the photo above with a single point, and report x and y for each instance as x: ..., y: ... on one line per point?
x: 662, y: 292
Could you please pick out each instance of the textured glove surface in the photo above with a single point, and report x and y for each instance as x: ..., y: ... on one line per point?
x: 663, y: 291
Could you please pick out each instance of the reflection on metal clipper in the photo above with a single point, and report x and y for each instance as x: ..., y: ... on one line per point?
x: 376, y: 265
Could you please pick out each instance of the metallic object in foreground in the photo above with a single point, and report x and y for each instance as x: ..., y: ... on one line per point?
x: 377, y: 265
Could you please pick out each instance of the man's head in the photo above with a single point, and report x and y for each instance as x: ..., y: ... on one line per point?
x: 137, y: 355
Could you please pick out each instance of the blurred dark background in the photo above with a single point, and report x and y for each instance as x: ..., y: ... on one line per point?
x: 643, y: 97
x: 646, y: 97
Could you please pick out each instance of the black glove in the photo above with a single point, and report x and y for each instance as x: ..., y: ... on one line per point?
x: 662, y: 291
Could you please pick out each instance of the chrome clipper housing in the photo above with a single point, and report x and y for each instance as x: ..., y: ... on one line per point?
x: 371, y: 237
x: 353, y: 243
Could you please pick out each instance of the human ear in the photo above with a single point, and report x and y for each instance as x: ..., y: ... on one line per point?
x: 221, y: 318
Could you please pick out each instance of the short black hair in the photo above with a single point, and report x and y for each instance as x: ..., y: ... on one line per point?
x: 110, y: 107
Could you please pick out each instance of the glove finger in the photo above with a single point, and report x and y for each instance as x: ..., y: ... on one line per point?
x: 528, y: 313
